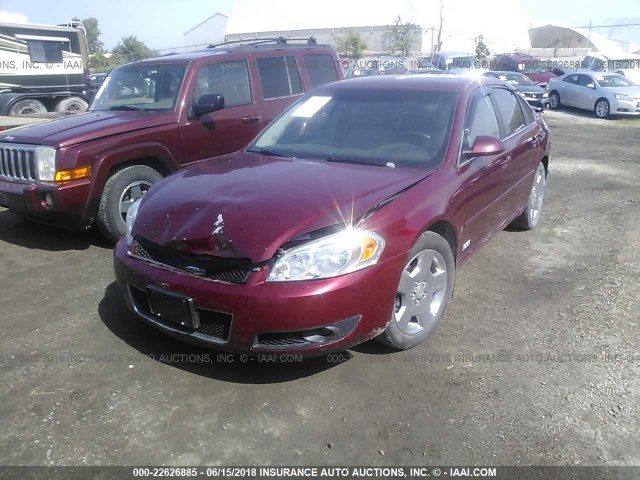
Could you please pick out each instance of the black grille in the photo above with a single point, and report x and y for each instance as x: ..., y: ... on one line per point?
x: 212, y: 323
x: 230, y: 270
x: 281, y: 339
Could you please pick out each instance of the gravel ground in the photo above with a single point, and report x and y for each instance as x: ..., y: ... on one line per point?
x: 537, y: 361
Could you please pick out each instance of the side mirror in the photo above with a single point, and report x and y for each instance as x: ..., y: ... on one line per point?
x: 207, y: 104
x: 591, y: 85
x: 485, y: 145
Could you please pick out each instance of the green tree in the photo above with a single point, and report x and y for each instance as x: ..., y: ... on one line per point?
x: 401, y: 37
x: 482, y: 51
x: 92, y: 31
x: 352, y: 46
x: 130, y: 49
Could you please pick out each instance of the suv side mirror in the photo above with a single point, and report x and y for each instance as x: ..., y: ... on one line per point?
x: 207, y: 104
x: 485, y: 145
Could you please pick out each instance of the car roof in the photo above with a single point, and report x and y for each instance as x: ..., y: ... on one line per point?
x: 503, y: 72
x: 446, y: 82
x: 517, y: 56
x: 226, y: 49
x: 457, y: 54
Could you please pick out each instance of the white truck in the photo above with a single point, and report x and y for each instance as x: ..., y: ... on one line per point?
x: 44, y: 71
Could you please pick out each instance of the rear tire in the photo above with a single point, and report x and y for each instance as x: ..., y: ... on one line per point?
x: 120, y: 191
x: 530, y: 216
x: 72, y: 105
x: 423, y: 294
x: 27, y: 107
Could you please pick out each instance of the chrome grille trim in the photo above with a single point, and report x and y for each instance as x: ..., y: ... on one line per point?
x: 18, y: 162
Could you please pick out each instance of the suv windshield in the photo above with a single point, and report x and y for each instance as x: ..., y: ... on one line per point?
x: 141, y: 87
x: 373, y: 127
x: 614, y: 81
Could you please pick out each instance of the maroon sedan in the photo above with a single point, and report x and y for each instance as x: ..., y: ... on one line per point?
x: 345, y: 220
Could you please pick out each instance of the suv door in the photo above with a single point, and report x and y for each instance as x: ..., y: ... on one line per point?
x: 521, y: 137
x: 480, y: 177
x: 226, y: 130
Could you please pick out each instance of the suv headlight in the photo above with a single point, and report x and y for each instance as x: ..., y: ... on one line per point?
x: 131, y: 219
x: 337, y: 254
x: 46, y: 161
x: 624, y: 97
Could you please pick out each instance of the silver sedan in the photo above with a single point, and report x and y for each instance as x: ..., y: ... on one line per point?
x: 604, y: 94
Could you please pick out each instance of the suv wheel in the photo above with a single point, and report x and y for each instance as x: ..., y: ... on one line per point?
x: 424, y: 291
x: 121, y: 190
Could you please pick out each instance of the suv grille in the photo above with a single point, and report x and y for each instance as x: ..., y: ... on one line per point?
x: 17, y: 162
x: 230, y: 270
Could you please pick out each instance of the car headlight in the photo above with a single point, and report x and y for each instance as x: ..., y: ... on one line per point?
x: 337, y: 254
x: 131, y: 219
x: 624, y: 97
x: 545, y: 95
x: 46, y: 162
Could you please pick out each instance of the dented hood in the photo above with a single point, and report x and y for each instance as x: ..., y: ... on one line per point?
x: 247, y: 205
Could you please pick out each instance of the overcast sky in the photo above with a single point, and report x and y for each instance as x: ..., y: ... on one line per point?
x: 162, y: 23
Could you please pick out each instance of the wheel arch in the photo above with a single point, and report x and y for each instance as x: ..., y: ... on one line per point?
x: 445, y: 229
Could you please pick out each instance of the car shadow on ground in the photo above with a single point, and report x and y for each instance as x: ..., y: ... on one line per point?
x: 17, y: 231
x: 162, y: 348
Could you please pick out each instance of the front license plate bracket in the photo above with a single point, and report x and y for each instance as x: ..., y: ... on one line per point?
x: 173, y: 307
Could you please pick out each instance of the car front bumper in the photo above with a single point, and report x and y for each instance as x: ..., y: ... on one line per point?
x: 306, y: 317
x: 625, y: 107
x: 61, y: 204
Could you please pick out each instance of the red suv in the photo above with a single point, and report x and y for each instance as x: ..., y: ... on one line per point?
x: 147, y: 120
x: 346, y: 219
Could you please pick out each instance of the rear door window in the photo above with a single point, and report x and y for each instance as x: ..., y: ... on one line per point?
x: 279, y: 77
x: 321, y: 69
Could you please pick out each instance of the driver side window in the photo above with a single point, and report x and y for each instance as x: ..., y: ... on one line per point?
x: 480, y: 120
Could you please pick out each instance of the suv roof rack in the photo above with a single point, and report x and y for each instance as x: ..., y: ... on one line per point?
x: 266, y: 40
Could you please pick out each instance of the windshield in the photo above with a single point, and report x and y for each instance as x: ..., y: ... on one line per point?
x: 141, y: 87
x: 393, y: 128
x: 614, y: 81
x: 462, y: 62
x: 516, y: 79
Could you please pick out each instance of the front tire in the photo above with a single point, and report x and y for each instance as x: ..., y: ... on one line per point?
x: 602, y: 109
x: 121, y: 190
x: 554, y: 101
x: 530, y: 217
x: 423, y: 294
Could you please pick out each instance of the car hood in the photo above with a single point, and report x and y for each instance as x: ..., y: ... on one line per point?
x: 541, y: 77
x: 67, y: 131
x: 529, y: 88
x: 247, y: 205
x: 631, y: 91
